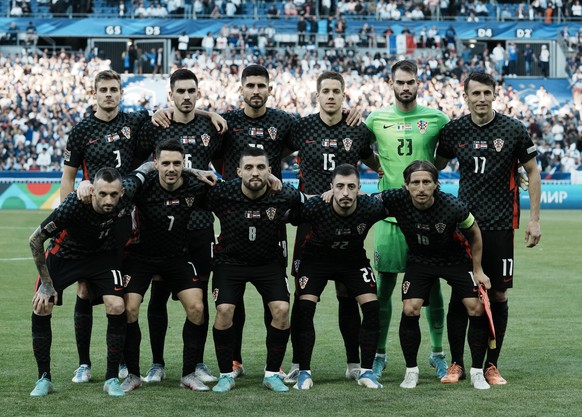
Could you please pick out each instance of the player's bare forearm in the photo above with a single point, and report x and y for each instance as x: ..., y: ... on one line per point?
x: 67, y: 181
x: 36, y: 242
x: 146, y: 168
x: 533, y: 231
x: 440, y: 162
x: 473, y: 235
x: 373, y: 162
x: 207, y: 177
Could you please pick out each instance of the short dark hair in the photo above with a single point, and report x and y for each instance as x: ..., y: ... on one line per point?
x: 107, y: 174
x: 254, y: 70
x: 419, y: 165
x: 480, y: 77
x: 107, y: 75
x: 172, y: 145
x: 405, y: 65
x: 330, y: 75
x: 182, y: 74
x: 252, y: 151
x: 345, y: 170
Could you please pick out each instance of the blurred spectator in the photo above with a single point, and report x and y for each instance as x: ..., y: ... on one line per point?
x: 544, y: 61
x: 16, y: 10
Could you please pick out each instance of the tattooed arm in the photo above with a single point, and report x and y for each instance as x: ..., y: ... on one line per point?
x: 46, y: 291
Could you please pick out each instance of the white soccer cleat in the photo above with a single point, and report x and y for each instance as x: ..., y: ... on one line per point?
x: 82, y: 374
x: 194, y: 383
x: 156, y: 373
x: 292, y: 375
x: 131, y: 383
x: 410, y: 378
x: 353, y: 371
x: 203, y: 373
x: 478, y: 379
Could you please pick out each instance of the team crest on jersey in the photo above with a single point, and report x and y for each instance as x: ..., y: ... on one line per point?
x: 361, y: 228
x: 271, y: 212
x: 303, y: 282
x: 215, y: 294
x: 480, y: 144
x: 125, y: 280
x: 347, y: 143
x: 498, y: 143
x: 173, y: 202
x: 422, y: 126
x: 296, y: 264
x: 252, y: 214
x: 50, y: 227
x: 405, y: 287
x: 440, y: 227
x: 188, y: 140
x: 272, y: 132
x: 189, y: 201
x: 126, y: 131
x: 256, y: 131
x: 205, y: 139
x: 67, y: 155
x: 112, y: 138
x: 329, y: 143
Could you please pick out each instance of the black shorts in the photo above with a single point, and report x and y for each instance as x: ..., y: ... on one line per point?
x: 300, y: 235
x: 229, y: 282
x: 178, y: 272
x: 498, y: 258
x: 100, y: 271
x: 200, y: 247
x: 419, y: 279
x: 358, y: 277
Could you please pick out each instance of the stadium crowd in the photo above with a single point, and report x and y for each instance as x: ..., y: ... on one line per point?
x: 52, y: 93
x: 470, y: 10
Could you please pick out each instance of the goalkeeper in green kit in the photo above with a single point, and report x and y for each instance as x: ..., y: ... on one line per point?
x: 405, y: 131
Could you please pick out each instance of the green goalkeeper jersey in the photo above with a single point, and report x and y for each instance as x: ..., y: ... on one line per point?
x: 403, y: 137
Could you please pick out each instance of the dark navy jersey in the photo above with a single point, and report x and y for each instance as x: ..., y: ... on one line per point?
x: 322, y: 148
x: 250, y: 229
x: 270, y: 132
x: 432, y: 235
x: 162, y: 217
x: 77, y: 230
x: 335, y: 238
x: 488, y: 158
x: 94, y: 143
x: 201, y: 143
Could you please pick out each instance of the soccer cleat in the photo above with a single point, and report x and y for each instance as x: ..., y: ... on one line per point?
x: 131, y: 382
x: 379, y: 365
x: 122, y: 372
x: 478, y: 379
x: 274, y: 383
x: 42, y: 387
x: 353, y: 371
x: 439, y: 363
x: 493, y: 376
x: 410, y: 378
x: 238, y: 369
x: 203, y: 373
x: 292, y: 375
x: 82, y: 374
x: 225, y: 384
x: 454, y: 374
x: 193, y: 382
x: 156, y: 373
x: 304, y: 381
x: 368, y: 379
x: 113, y: 388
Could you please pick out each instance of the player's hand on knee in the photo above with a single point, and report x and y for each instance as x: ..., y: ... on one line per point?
x: 44, y: 297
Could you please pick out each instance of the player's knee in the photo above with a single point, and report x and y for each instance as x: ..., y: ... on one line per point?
x: 411, y: 308
x: 195, y: 313
x: 474, y: 306
x: 497, y: 296
x: 82, y: 290
x: 114, y: 305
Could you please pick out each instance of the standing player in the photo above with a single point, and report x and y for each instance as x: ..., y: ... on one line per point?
x: 82, y: 244
x: 334, y: 250
x: 248, y: 250
x: 429, y: 220
x: 201, y: 142
x: 404, y: 132
x: 106, y: 138
x: 163, y: 209
x: 324, y: 141
x: 489, y: 147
